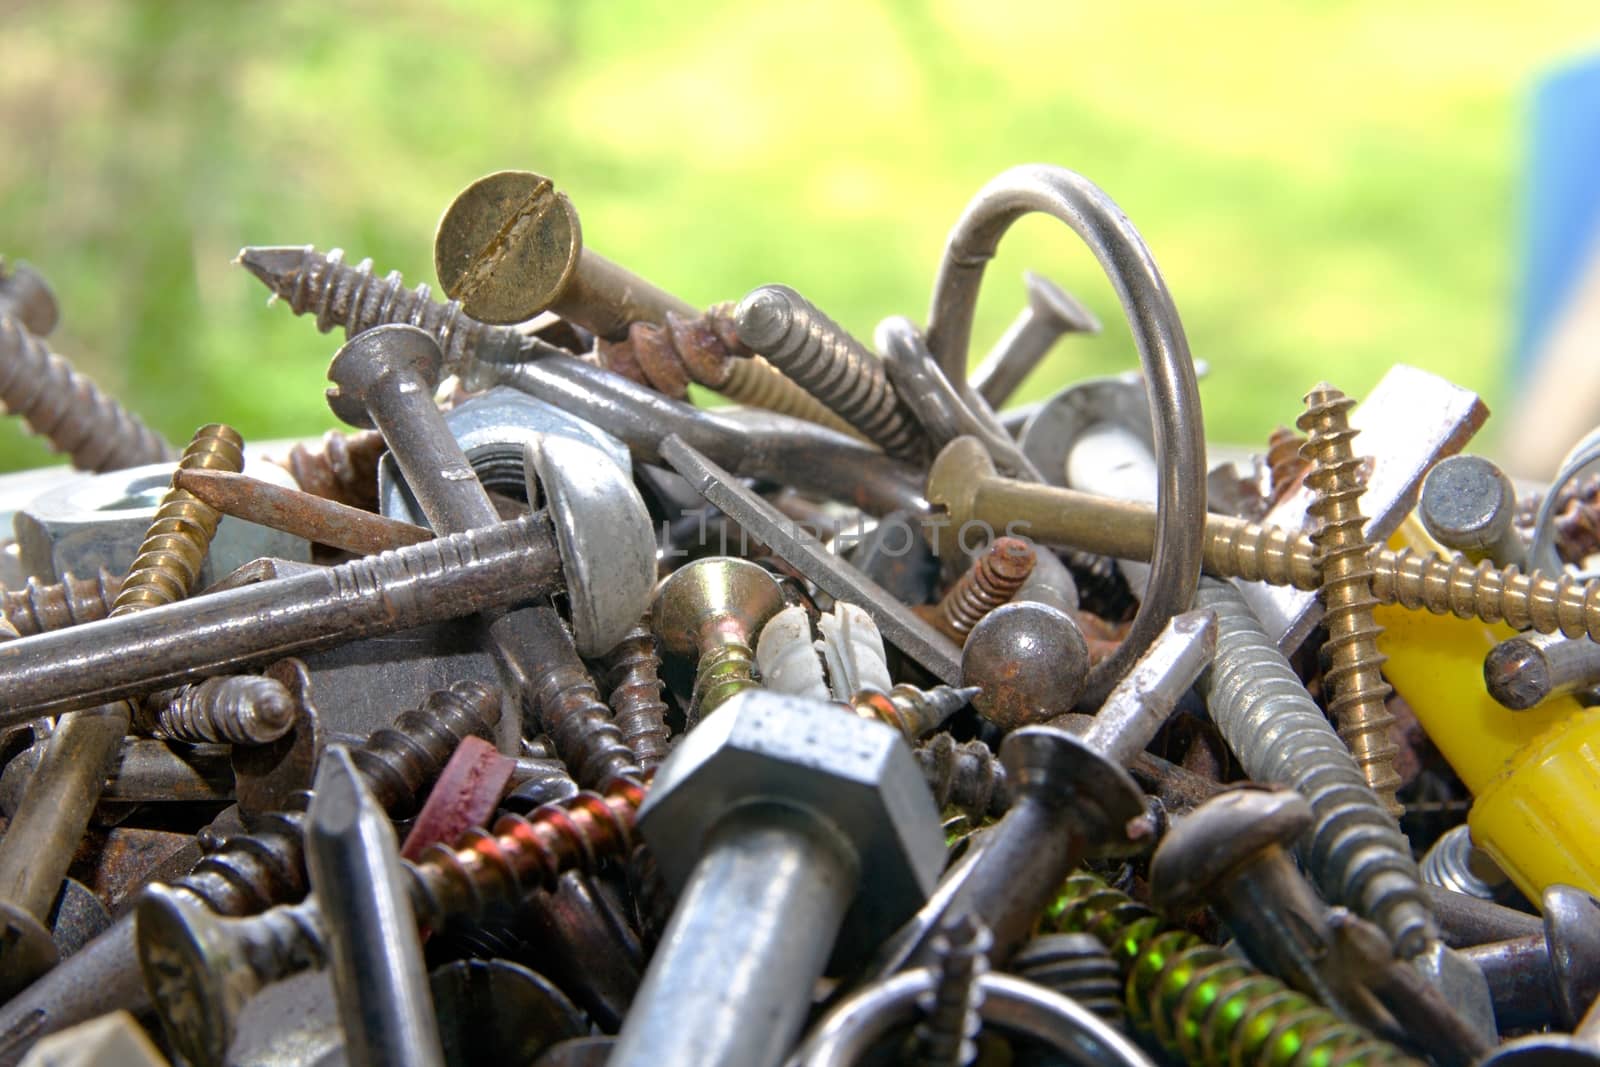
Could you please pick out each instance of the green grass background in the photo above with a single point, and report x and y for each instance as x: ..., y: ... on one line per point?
x: 1329, y: 186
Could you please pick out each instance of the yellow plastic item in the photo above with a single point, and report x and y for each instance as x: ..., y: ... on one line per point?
x: 1535, y: 773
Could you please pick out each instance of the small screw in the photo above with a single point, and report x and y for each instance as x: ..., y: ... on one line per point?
x: 992, y: 580
x: 712, y: 610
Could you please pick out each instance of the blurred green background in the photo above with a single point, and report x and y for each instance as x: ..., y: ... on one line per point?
x: 1329, y: 187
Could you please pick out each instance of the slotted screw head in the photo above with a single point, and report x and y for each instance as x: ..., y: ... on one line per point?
x: 369, y: 358
x: 507, y: 246
x: 735, y: 592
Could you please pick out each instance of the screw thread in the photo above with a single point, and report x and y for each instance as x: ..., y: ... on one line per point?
x: 823, y: 359
x: 966, y: 776
x: 486, y: 870
x: 1077, y: 966
x: 40, y: 606
x: 1354, y: 850
x: 282, y: 942
x: 251, y: 871
x: 1354, y: 675
x: 910, y: 710
x: 950, y: 1023
x: 168, y: 562
x: 343, y: 469
x: 634, y: 669
x: 68, y: 410
x: 244, y: 709
x: 1285, y: 464
x: 1203, y: 1004
x: 724, y: 669
x: 1448, y: 864
x: 571, y: 712
x: 992, y: 580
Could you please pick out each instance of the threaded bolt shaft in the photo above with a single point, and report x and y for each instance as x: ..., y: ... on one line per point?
x: 40, y: 606
x: 344, y: 469
x: 822, y: 358
x: 355, y: 299
x: 1354, y: 672
x: 1075, y: 965
x: 634, y: 670
x: 966, y: 776
x: 1354, y: 852
x: 1285, y: 464
x: 243, y: 709
x: 724, y: 670
x: 992, y: 580
x: 1203, y: 1004
x: 910, y: 710
x: 570, y: 710
x: 950, y: 1022
x: 70, y: 411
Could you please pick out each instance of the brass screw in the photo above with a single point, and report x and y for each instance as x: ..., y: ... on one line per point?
x: 1354, y: 671
x: 992, y: 580
x: 712, y: 609
x: 40, y: 606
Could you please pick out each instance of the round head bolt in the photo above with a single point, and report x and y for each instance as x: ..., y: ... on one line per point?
x: 373, y: 366
x: 608, y: 547
x: 1225, y: 839
x: 1029, y: 662
x: 712, y: 610
x: 815, y: 830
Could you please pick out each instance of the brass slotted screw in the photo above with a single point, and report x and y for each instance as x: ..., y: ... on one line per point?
x: 1354, y: 675
x: 963, y: 480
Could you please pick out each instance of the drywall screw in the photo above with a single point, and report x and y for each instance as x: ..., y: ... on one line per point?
x: 1029, y: 662
x: 40, y: 606
x: 816, y: 352
x: 356, y: 300
x: 966, y: 776
x: 449, y: 577
x: 1524, y: 671
x: 61, y: 794
x: 243, y: 709
x: 1354, y: 851
x: 712, y: 610
x: 910, y: 710
x: 1050, y: 313
x: 1075, y: 965
x: 992, y: 580
x: 1354, y: 676
x: 964, y: 482
x: 318, y: 520
x: 379, y: 980
x: 1204, y: 1004
x: 27, y: 298
x: 634, y: 672
x: 946, y: 1034
x: 344, y: 469
x: 70, y: 411
x: 1285, y: 464
x: 1469, y: 505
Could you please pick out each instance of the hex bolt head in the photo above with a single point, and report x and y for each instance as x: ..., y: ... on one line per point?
x: 1221, y: 839
x: 1029, y: 662
x: 507, y: 246
x: 709, y: 596
x: 369, y: 359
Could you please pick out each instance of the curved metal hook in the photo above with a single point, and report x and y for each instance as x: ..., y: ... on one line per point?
x: 1168, y: 366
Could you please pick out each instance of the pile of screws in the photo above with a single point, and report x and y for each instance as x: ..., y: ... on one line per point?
x: 548, y: 718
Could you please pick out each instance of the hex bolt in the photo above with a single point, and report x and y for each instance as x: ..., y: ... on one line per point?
x: 1548, y: 978
x: 759, y: 812
x: 1469, y: 505
x: 817, y: 353
x: 379, y: 979
x: 1354, y: 677
x: 634, y: 670
x: 1050, y: 314
x: 355, y: 299
x: 62, y: 792
x: 68, y: 410
x: 245, y: 709
x: 712, y: 610
x: 201, y: 968
x: 343, y: 469
x: 1070, y: 795
x: 1524, y: 671
x: 912, y: 711
x: 1029, y: 662
x: 40, y: 606
x: 963, y: 481
x: 27, y: 298
x: 992, y: 580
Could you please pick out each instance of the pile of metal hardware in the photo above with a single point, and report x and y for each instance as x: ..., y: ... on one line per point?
x: 550, y: 716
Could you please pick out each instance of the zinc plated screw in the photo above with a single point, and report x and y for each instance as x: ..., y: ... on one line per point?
x: 1353, y: 675
x: 27, y: 298
x: 1051, y: 312
x: 1203, y: 1004
x: 992, y: 580
x: 70, y: 411
x: 40, y: 606
x: 712, y: 610
x: 964, y: 482
x: 816, y: 352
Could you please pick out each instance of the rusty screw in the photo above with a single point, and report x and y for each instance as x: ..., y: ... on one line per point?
x: 1285, y: 464
x: 912, y: 711
x: 27, y: 298
x: 636, y: 705
x: 712, y: 610
x: 992, y: 580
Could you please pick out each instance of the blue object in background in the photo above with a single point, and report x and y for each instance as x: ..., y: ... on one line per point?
x: 1563, y: 203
